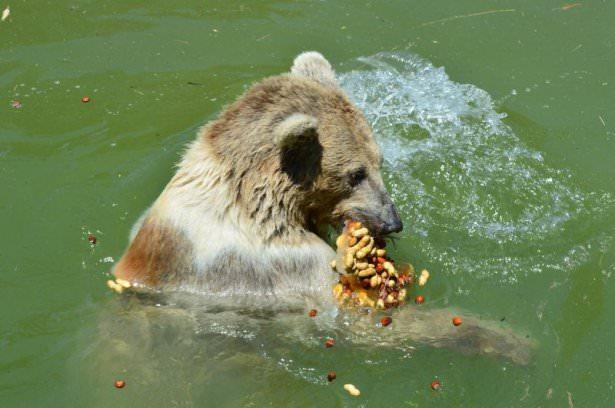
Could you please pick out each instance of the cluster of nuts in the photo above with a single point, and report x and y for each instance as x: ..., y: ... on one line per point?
x: 367, y: 276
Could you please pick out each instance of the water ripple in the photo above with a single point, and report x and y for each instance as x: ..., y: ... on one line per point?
x: 461, y: 176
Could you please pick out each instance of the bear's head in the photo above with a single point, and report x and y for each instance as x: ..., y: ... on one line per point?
x: 300, y: 155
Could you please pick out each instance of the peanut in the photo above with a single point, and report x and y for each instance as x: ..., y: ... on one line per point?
x: 114, y: 286
x: 367, y: 273
x: 348, y: 260
x: 337, y: 290
x: 340, y: 241
x: 388, y: 266
x: 424, y: 277
x: 360, y: 232
x: 362, y: 253
x: 381, y: 253
x: 364, y: 299
x: 124, y: 283
x: 362, y: 243
x: 333, y: 265
x: 354, y: 225
x: 352, y: 390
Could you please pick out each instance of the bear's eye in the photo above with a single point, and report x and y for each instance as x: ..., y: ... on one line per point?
x: 357, y: 176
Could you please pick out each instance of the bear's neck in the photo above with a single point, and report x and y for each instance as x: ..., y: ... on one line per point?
x: 263, y: 204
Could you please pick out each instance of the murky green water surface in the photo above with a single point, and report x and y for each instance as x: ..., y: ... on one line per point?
x: 497, y: 123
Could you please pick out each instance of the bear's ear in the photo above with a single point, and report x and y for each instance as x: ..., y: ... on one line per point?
x: 296, y: 129
x: 300, y: 150
x: 313, y: 65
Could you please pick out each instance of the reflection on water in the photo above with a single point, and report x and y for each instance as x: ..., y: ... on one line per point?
x: 186, y: 348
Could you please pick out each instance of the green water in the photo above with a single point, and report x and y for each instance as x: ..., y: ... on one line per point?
x: 505, y: 185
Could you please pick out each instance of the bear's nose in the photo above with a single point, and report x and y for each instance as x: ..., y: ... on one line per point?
x: 393, y: 222
x: 393, y: 226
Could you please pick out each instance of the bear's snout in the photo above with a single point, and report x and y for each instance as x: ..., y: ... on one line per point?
x: 393, y: 222
x: 381, y: 218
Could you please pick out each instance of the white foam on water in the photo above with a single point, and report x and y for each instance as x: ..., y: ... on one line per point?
x: 459, y: 174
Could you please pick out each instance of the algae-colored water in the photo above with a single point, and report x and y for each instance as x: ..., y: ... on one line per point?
x: 498, y: 127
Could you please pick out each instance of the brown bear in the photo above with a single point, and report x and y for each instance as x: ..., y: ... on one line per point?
x: 254, y: 193
x: 247, y: 211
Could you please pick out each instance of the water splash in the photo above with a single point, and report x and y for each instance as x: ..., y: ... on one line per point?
x: 467, y: 185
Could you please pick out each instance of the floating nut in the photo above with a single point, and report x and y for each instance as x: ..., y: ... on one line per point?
x: 402, y: 294
x: 361, y: 265
x: 333, y: 264
x: 360, y: 232
x: 424, y: 277
x: 352, y: 390
x: 384, y: 275
x: 366, y: 273
x: 381, y: 252
x: 390, y: 283
x: 115, y: 286
x: 123, y: 283
x: 373, y: 251
x: 390, y: 299
x: 380, y: 304
x: 373, y: 282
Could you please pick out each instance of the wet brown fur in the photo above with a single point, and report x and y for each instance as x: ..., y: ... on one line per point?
x: 157, y: 255
x: 241, y: 142
x: 239, y: 176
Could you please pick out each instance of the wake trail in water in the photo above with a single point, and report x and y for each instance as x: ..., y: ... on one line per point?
x: 466, y: 184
